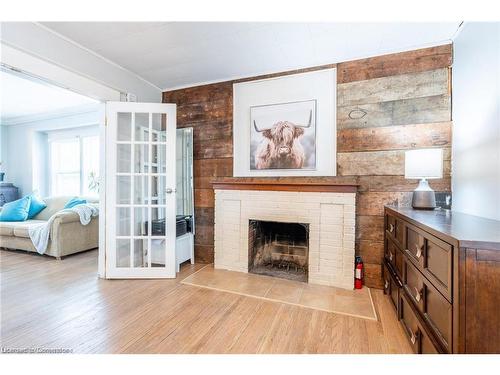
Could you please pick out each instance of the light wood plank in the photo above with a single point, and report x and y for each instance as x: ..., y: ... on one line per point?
x: 402, y: 137
x: 405, y: 86
x: 395, y: 112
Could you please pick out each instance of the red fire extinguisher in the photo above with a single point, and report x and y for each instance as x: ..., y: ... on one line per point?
x: 358, y: 273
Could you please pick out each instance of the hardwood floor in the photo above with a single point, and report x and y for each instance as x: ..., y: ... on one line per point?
x: 62, y: 304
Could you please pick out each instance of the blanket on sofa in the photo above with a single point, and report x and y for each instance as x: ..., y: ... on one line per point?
x: 39, y: 234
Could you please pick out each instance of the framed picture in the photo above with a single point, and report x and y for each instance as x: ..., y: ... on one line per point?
x: 285, y: 126
x: 283, y: 136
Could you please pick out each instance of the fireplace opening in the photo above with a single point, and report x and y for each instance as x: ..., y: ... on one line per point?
x: 278, y: 249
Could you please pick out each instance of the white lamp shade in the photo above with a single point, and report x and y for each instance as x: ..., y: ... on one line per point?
x: 424, y: 163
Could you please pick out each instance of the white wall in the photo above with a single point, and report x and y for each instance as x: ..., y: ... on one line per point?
x: 476, y: 120
x: 25, y: 149
x: 42, y: 43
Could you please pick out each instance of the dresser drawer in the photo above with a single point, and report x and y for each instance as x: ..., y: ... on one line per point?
x: 420, y: 340
x: 432, y: 256
x: 432, y: 305
x: 392, y: 286
x: 394, y: 256
x: 395, y: 229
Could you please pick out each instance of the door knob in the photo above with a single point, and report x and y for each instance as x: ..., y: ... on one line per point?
x: 170, y: 190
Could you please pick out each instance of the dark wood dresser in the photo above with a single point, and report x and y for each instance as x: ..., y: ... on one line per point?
x: 442, y: 274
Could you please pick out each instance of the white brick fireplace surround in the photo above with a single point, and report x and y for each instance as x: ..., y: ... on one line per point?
x: 328, y: 209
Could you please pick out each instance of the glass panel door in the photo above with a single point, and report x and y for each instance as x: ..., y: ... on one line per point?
x: 140, y: 190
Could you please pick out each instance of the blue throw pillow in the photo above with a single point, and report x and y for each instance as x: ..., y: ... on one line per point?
x: 37, y: 205
x: 16, y: 210
x: 74, y: 202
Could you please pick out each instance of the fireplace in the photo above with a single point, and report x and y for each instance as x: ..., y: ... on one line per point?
x: 321, y: 219
x: 278, y: 249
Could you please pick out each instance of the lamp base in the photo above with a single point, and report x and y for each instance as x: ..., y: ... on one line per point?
x: 423, y: 196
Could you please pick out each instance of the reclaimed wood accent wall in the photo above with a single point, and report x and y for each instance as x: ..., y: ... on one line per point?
x: 385, y: 105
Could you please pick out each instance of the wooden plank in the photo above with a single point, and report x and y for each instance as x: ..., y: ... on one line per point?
x: 399, y: 183
x: 204, y: 253
x: 213, y: 110
x: 204, y: 234
x: 394, y: 137
x: 286, y: 73
x: 337, y: 180
x: 204, y: 198
x: 205, y: 131
x: 204, y: 216
x: 395, y: 112
x: 373, y: 275
x: 370, y: 228
x: 370, y: 251
x: 281, y: 186
x: 213, y: 149
x: 198, y: 94
x: 372, y: 203
x: 405, y: 86
x: 396, y: 63
x: 379, y: 163
x: 213, y: 167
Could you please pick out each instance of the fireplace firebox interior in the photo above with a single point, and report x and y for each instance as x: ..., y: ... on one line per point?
x: 278, y: 249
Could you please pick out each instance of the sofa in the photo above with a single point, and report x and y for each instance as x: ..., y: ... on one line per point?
x: 67, y: 235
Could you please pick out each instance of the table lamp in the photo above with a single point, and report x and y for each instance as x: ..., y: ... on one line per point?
x: 424, y: 164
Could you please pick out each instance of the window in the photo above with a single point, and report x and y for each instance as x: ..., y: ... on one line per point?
x: 74, y: 166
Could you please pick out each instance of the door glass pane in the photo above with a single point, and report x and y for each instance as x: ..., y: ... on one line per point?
x: 158, y: 189
x: 140, y: 253
x: 123, y: 158
x: 159, y: 154
x: 159, y: 125
x: 158, y: 253
x: 124, y: 127
x: 142, y: 127
x: 122, y: 253
x: 123, y: 221
x: 158, y: 221
x: 141, y: 158
x: 141, y: 191
x: 123, y: 189
x: 140, y: 219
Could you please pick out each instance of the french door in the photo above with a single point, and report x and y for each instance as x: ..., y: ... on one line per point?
x: 140, y: 190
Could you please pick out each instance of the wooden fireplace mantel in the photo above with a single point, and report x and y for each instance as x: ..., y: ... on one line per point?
x: 267, y: 185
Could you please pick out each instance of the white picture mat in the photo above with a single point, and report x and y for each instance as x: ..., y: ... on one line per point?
x: 318, y: 85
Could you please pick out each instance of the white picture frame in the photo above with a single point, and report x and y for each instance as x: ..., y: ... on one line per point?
x: 316, y: 86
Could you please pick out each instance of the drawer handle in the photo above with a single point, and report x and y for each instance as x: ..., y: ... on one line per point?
x: 418, y: 294
x: 390, y: 257
x: 419, y: 251
x: 391, y: 228
x: 413, y: 338
x: 386, y: 285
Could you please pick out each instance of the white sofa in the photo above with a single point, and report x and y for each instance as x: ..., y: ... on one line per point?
x: 67, y: 235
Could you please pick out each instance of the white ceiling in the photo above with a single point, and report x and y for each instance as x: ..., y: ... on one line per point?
x: 23, y: 99
x: 180, y: 54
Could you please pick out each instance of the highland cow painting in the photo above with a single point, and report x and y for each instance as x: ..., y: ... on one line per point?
x: 283, y: 136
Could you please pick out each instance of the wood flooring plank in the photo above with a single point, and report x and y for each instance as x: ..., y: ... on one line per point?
x: 64, y: 305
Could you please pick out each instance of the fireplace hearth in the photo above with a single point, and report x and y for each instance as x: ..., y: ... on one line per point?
x: 278, y: 249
